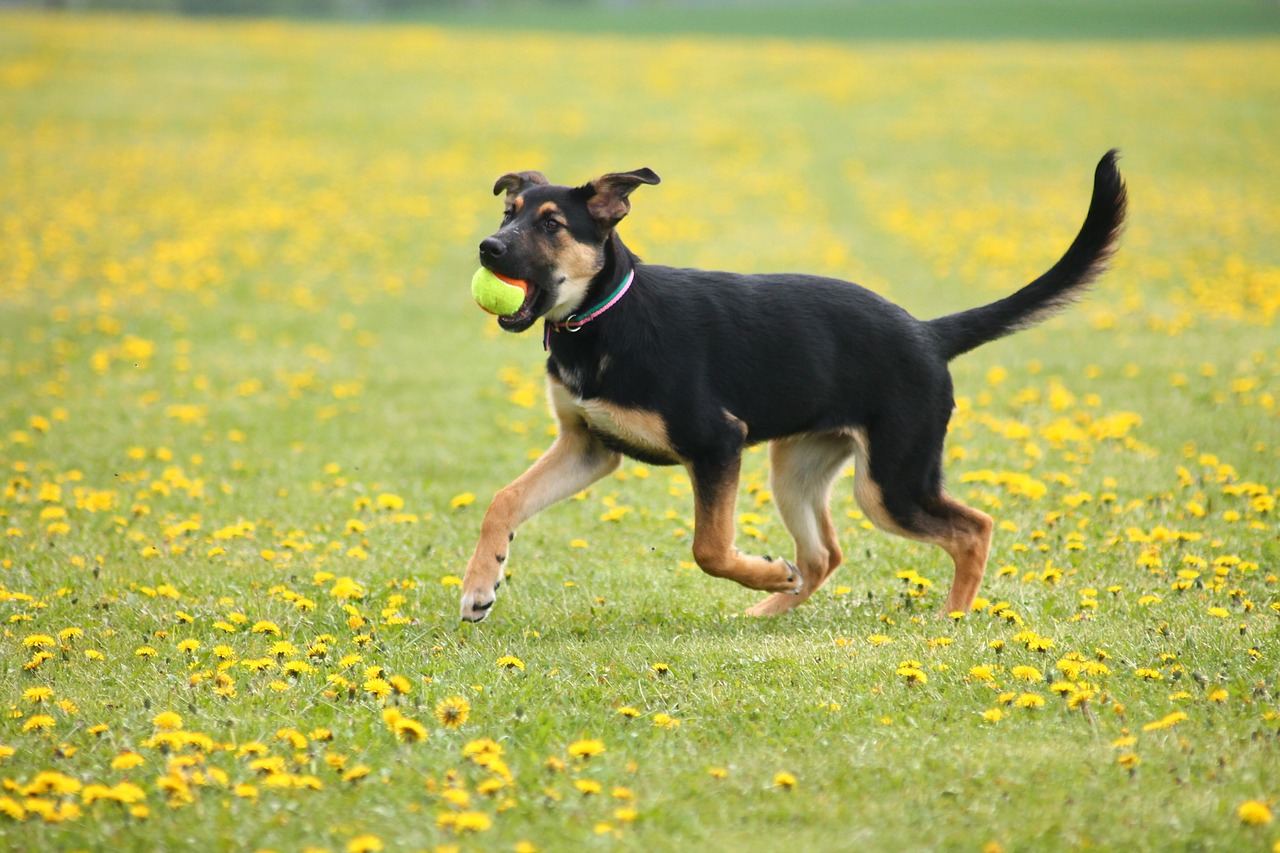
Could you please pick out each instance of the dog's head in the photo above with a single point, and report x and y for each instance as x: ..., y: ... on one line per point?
x: 554, y: 238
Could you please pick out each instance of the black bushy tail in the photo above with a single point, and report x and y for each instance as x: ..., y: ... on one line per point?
x: 1064, y: 283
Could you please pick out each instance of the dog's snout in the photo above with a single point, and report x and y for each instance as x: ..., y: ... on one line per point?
x: 492, y: 247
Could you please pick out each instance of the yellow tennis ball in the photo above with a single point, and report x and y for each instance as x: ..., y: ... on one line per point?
x: 497, y: 295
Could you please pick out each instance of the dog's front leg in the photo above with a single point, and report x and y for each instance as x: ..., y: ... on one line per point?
x: 715, y: 494
x: 574, y: 461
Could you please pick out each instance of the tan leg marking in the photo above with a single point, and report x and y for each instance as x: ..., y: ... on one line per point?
x: 575, y: 460
x: 714, y: 532
x: 802, y: 471
x: 967, y: 539
x: 962, y: 531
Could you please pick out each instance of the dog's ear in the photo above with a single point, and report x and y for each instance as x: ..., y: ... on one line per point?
x: 517, y: 182
x: 609, y: 201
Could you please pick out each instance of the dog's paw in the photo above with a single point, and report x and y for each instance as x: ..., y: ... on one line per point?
x: 476, y: 606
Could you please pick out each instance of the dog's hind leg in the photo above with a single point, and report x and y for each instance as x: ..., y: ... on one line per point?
x: 898, y: 484
x: 802, y: 470
x: 715, y: 493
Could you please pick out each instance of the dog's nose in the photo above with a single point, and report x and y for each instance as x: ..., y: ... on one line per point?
x: 492, y: 247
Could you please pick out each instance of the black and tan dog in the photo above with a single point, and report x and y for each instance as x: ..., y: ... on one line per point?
x: 688, y: 367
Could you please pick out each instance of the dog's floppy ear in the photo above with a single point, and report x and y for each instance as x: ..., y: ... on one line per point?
x: 517, y: 182
x: 608, y: 202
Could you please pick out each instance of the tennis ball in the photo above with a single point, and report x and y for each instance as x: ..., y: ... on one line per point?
x: 497, y: 294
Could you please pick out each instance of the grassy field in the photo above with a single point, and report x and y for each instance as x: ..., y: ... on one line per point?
x: 250, y: 418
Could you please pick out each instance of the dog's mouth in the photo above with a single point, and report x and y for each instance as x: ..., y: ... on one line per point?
x: 525, y: 315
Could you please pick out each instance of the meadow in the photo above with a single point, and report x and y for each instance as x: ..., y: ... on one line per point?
x: 250, y: 420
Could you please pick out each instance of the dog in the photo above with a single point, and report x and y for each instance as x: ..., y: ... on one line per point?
x: 690, y: 367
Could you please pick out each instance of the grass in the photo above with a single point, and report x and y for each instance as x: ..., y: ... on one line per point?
x: 245, y: 401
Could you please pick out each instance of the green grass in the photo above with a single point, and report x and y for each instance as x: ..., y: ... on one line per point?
x: 233, y: 288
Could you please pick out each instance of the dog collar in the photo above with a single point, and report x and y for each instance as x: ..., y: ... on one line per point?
x: 575, y: 322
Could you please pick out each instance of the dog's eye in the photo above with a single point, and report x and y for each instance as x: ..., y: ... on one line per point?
x: 551, y: 225
x: 508, y: 213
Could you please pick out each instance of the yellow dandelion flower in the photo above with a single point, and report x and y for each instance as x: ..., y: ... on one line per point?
x: 364, y: 844
x: 1168, y: 721
x: 510, y: 662
x: 1026, y: 673
x: 126, y: 761
x: 38, y: 722
x: 378, y: 687
x: 355, y: 773
x: 1254, y: 813
x: 167, y: 721
x: 587, y: 786
x: 409, y: 730
x: 586, y: 748
x: 37, y: 695
x: 784, y: 780
x: 472, y: 822
x: 665, y: 721
x: 453, y: 712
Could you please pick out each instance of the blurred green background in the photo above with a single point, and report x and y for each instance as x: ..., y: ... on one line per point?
x: 781, y: 18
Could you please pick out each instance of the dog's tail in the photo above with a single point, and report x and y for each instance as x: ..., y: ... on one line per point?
x: 1064, y: 283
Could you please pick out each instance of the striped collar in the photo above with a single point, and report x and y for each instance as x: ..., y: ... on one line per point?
x: 574, y: 322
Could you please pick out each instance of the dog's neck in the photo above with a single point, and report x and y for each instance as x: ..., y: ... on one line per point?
x: 608, y: 287
x: 618, y: 264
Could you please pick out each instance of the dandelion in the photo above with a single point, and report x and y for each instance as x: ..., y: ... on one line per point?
x: 37, y: 695
x: 409, y: 731
x: 1165, y: 722
x: 453, y: 712
x: 38, y: 722
x: 1254, y: 813
x: 665, y: 721
x: 126, y: 761
x: 167, y: 721
x: 356, y: 773
x: 911, y: 671
x: 628, y: 711
x: 378, y: 687
x: 510, y: 662
x: 364, y: 844
x: 472, y: 822
x: 586, y: 748
x: 784, y: 780
x: 587, y: 786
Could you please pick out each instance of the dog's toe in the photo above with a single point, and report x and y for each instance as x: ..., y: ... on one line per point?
x: 476, y: 606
